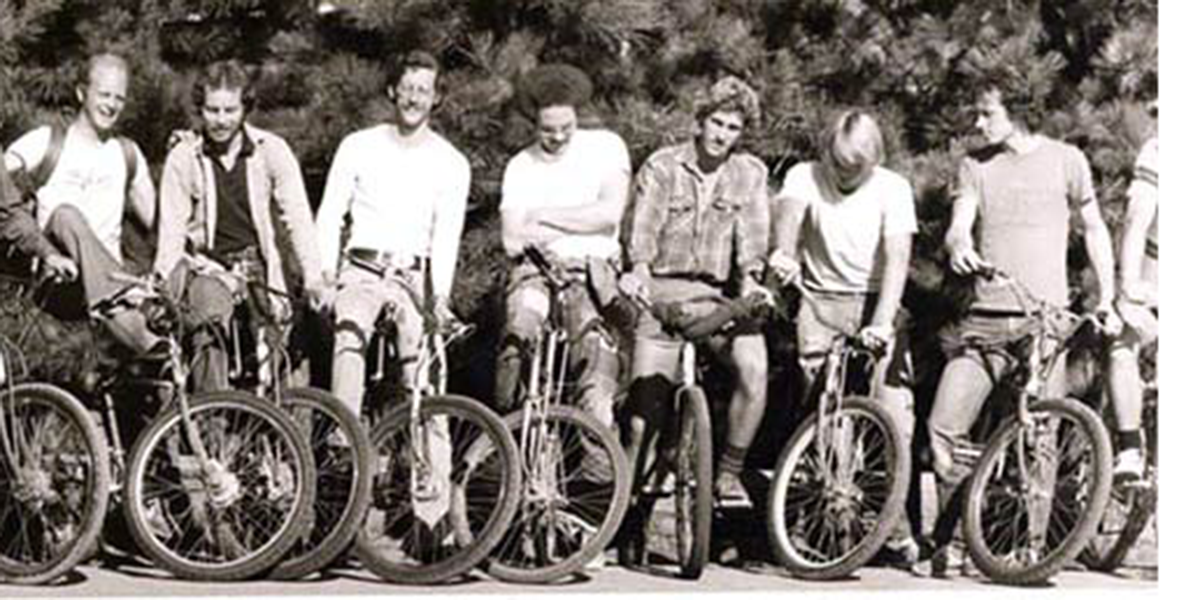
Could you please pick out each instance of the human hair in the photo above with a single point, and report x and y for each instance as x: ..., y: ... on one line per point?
x: 729, y: 93
x: 852, y: 139
x: 408, y: 61
x: 553, y: 85
x: 224, y: 75
x: 1025, y: 106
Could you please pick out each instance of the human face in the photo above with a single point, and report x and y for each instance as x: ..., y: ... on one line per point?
x: 719, y: 132
x: 104, y: 97
x: 849, y: 175
x: 555, y: 127
x: 223, y: 113
x: 414, y: 96
x: 991, y: 118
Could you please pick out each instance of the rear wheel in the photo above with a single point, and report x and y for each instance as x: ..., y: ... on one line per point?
x: 693, y: 483
x: 54, y: 484
x: 837, y: 493
x: 575, y: 489
x: 437, y: 513
x: 234, y: 517
x: 1038, y: 492
x: 342, y: 454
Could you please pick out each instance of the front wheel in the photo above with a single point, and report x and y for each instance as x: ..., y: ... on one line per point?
x: 693, y: 483
x: 54, y: 483
x: 342, y: 454
x: 1038, y: 492
x: 441, y: 502
x: 838, y: 491
x: 575, y: 489
x: 235, y: 516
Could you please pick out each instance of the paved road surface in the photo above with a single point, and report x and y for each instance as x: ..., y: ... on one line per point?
x: 133, y: 581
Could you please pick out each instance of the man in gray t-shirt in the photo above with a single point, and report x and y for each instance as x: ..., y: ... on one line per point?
x: 1012, y: 210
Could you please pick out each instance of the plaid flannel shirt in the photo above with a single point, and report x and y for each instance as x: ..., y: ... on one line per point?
x: 677, y: 232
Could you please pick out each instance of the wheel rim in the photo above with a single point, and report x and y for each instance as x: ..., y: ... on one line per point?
x: 337, y: 469
x: 1026, y: 521
x: 686, y: 482
x: 44, y: 499
x: 417, y: 521
x: 235, y: 509
x: 838, y: 482
x: 569, y: 492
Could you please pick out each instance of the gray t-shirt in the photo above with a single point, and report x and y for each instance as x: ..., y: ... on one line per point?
x: 1023, y: 224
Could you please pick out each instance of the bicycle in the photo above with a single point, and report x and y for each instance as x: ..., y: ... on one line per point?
x: 840, y: 481
x: 1132, y: 506
x: 684, y: 469
x: 339, y: 440
x: 54, y: 476
x: 445, y: 507
x: 1039, y: 488
x: 215, y: 484
x: 566, y: 515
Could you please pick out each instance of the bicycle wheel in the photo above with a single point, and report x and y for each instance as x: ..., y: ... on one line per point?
x: 575, y: 489
x: 234, y: 517
x: 432, y: 522
x: 693, y: 483
x: 342, y: 454
x: 1129, y: 509
x: 1038, y: 492
x: 837, y: 493
x: 53, y: 487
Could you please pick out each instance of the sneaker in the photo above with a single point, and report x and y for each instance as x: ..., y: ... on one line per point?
x: 945, y: 562
x: 1130, y: 466
x: 904, y: 553
x: 729, y: 491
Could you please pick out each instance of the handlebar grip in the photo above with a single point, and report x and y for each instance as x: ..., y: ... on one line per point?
x: 128, y: 279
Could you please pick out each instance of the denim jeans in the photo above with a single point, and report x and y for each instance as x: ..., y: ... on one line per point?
x: 967, y: 381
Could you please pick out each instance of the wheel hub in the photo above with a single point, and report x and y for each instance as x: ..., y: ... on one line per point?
x: 223, y: 486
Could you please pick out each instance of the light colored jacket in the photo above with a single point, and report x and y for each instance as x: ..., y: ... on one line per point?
x: 278, y: 207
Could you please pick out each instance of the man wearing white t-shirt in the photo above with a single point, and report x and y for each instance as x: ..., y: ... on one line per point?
x: 401, y: 188
x: 851, y: 221
x: 564, y: 194
x: 74, y: 227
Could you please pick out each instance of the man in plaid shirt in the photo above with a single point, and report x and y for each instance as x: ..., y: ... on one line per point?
x: 698, y: 229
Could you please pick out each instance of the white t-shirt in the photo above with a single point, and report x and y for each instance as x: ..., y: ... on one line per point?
x: 532, y: 181
x: 407, y: 200
x: 841, y: 237
x: 88, y: 176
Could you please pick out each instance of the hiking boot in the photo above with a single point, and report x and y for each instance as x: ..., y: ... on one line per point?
x: 903, y: 553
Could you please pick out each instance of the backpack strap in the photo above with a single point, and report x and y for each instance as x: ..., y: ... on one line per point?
x: 129, y: 149
x: 45, y: 168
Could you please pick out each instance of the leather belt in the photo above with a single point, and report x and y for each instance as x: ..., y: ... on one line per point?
x: 389, y: 260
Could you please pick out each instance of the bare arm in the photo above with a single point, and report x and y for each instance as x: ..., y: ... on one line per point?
x: 896, y: 252
x: 1099, y: 249
x: 1139, y: 214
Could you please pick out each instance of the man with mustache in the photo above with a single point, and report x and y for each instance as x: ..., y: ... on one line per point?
x: 86, y: 178
x: 401, y: 190
x: 224, y: 193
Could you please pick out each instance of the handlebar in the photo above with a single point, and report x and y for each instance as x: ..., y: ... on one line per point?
x: 452, y: 328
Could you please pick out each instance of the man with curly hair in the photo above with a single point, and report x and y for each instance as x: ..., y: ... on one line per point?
x: 699, y: 228
x: 1012, y: 209
x: 564, y: 194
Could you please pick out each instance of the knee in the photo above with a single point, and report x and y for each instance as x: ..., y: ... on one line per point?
x: 210, y: 299
x: 751, y: 366
x: 66, y: 219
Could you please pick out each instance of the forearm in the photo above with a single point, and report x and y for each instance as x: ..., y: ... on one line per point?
x: 1100, y: 255
x: 786, y: 226
x: 593, y: 219
x: 897, y: 250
